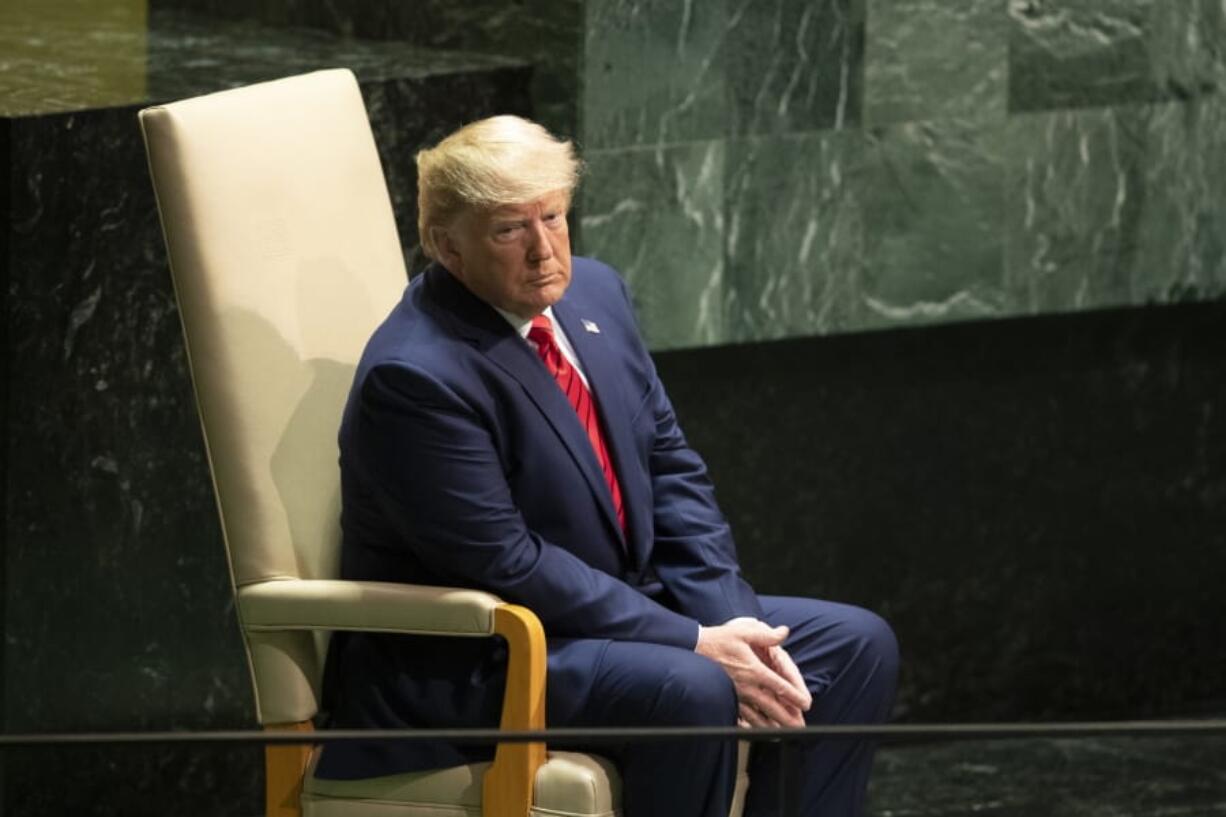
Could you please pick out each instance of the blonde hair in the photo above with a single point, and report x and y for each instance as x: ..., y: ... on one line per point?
x: 490, y: 163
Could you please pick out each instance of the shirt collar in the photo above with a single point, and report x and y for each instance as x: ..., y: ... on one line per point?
x: 522, y: 325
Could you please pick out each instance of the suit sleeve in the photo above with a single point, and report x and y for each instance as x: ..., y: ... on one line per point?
x: 433, y: 466
x: 693, y: 551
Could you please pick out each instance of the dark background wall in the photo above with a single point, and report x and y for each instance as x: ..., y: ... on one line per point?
x: 1038, y: 505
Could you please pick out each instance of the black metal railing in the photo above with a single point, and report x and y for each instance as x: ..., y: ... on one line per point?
x: 787, y: 738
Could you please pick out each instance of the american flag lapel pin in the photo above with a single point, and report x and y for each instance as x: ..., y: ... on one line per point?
x: 591, y: 326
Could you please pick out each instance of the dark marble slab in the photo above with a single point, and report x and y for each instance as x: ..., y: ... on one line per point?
x: 935, y: 59
x: 104, y: 532
x: 5, y: 195
x: 837, y: 231
x: 545, y: 33
x: 136, y: 781
x: 1038, y: 506
x: 662, y: 73
x: 1072, y: 777
x: 794, y: 65
x: 117, y: 603
x: 186, y: 55
x: 1078, y: 53
x: 654, y: 72
x: 953, y: 197
x: 1117, y: 206
x: 795, y: 238
x: 933, y: 201
x: 666, y: 207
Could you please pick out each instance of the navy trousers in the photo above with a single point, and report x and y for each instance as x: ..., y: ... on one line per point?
x: 847, y: 656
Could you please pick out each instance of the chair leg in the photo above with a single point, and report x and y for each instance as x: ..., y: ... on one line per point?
x: 284, y: 768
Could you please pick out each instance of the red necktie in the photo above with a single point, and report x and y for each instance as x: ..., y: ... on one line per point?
x: 576, y: 392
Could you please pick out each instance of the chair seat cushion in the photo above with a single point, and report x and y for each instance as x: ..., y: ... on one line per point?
x: 569, y: 784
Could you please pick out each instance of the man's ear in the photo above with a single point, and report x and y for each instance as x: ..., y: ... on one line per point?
x: 449, y: 253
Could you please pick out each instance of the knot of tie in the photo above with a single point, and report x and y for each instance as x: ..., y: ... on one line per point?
x: 541, y: 334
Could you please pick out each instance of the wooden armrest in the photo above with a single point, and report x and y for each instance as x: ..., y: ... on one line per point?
x: 509, y: 782
x: 391, y: 607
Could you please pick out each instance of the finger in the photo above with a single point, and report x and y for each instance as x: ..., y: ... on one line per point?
x: 756, y: 674
x: 750, y: 716
x: 787, y: 668
x: 761, y: 634
x: 783, y: 688
x: 772, y: 708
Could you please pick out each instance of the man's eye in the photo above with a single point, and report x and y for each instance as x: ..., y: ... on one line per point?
x: 506, y: 230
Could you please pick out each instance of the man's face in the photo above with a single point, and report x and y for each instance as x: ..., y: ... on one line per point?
x: 515, y: 257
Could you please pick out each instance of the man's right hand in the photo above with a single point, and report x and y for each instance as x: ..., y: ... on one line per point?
x: 770, y: 694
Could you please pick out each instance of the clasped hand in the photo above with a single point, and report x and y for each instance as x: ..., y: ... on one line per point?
x: 769, y: 688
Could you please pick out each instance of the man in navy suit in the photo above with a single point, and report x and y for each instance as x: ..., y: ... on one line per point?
x: 507, y: 431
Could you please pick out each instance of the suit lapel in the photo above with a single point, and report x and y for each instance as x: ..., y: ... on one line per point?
x: 481, y: 325
x: 609, y: 391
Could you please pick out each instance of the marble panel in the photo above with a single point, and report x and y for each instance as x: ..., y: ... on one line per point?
x: 5, y: 259
x: 136, y: 781
x: 1181, y: 237
x: 56, y: 52
x: 935, y: 59
x: 1079, y: 53
x: 186, y: 55
x: 796, y: 235
x: 653, y: 72
x: 933, y: 208
x: 546, y: 33
x: 657, y: 216
x: 117, y: 601
x: 191, y: 55
x: 793, y: 65
x: 1066, y: 777
x: 1117, y: 206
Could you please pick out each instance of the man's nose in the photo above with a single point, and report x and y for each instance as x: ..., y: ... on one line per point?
x: 539, y: 246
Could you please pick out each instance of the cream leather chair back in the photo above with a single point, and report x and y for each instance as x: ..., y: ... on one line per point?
x: 285, y: 257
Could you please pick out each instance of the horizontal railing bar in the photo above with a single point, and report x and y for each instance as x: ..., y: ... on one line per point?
x: 886, y: 733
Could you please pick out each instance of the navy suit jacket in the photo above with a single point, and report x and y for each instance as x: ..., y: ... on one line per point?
x: 463, y: 463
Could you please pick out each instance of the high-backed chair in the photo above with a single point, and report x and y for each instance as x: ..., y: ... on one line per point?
x: 285, y: 257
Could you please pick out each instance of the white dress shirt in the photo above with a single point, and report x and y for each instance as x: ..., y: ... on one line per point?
x: 522, y: 326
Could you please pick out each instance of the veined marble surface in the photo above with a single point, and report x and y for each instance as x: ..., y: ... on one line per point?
x: 545, y: 33
x: 1117, y: 206
x: 934, y: 59
x: 1079, y: 53
x: 64, y: 65
x: 653, y: 72
x: 779, y: 188
x: 667, y: 202
x: 898, y: 162
x: 668, y: 71
x: 793, y: 65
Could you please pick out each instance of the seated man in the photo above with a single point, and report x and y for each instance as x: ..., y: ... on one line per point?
x: 507, y: 431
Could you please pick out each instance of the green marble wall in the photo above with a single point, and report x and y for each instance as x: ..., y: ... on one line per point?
x: 771, y: 168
